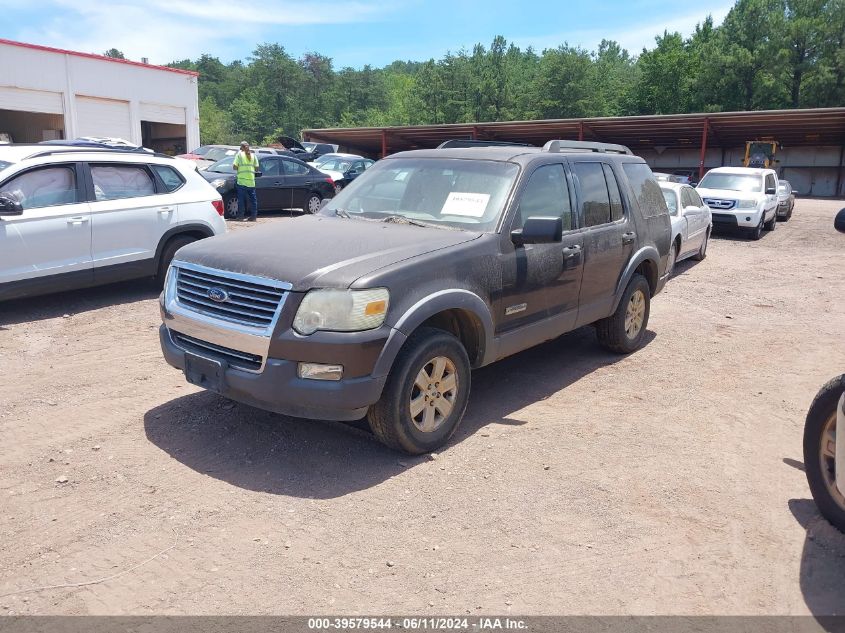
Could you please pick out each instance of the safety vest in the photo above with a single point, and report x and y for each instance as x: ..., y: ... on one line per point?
x: 246, y: 169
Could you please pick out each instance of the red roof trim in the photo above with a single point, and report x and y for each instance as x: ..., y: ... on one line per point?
x: 50, y: 49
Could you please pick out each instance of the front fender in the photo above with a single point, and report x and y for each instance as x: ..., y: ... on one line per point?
x: 427, y: 307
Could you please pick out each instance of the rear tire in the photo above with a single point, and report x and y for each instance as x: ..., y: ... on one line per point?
x: 702, y: 252
x: 428, y: 386
x: 167, y: 256
x: 312, y: 203
x: 623, y: 331
x: 230, y: 206
x: 819, y: 428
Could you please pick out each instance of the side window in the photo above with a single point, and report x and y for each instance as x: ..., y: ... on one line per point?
x: 269, y: 166
x: 595, y: 200
x: 770, y: 182
x: 686, y: 200
x: 115, y: 182
x: 170, y: 177
x: 696, y: 199
x: 45, y: 187
x: 646, y: 190
x: 545, y: 194
x: 295, y: 169
x: 616, y: 208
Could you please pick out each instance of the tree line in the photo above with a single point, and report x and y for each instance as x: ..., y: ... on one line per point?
x: 767, y: 54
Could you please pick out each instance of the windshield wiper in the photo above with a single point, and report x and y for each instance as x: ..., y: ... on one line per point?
x: 401, y: 219
x: 342, y: 213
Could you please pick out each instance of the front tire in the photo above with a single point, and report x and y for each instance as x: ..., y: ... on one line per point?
x: 819, y: 433
x: 672, y: 260
x: 426, y: 393
x: 757, y: 231
x: 771, y: 224
x: 230, y: 206
x: 623, y: 331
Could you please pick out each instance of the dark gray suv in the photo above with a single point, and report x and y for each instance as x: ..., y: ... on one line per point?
x: 430, y: 264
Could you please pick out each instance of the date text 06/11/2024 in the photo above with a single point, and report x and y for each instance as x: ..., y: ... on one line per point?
x: 417, y: 624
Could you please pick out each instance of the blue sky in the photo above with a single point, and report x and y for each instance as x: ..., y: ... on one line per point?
x: 353, y: 32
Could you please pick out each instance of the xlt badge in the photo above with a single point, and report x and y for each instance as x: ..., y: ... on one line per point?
x: 520, y: 307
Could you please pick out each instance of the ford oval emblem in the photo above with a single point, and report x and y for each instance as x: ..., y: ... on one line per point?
x: 218, y: 294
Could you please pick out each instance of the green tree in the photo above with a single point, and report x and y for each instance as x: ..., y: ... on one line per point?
x: 114, y: 53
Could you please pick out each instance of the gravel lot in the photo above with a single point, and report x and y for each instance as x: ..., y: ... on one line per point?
x: 665, y: 482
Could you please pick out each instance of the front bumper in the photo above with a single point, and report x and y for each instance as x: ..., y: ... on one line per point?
x: 278, y: 388
x: 742, y: 218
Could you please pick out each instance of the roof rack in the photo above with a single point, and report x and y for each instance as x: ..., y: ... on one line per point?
x: 585, y: 146
x: 466, y: 142
x: 96, y: 150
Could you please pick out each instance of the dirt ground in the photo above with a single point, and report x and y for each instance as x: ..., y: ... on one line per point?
x: 665, y: 482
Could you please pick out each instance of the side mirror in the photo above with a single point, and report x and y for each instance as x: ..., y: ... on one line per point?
x: 538, y: 230
x: 771, y: 191
x: 839, y: 221
x: 10, y: 206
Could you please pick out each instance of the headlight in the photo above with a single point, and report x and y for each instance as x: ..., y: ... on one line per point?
x: 219, y: 182
x: 341, y: 310
x: 747, y: 204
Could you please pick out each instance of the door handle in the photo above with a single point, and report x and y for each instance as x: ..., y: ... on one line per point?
x: 163, y: 210
x: 628, y: 238
x: 571, y: 256
x: 77, y: 220
x: 309, y: 183
x: 278, y: 182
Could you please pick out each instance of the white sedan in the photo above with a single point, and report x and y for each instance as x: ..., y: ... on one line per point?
x: 691, y: 222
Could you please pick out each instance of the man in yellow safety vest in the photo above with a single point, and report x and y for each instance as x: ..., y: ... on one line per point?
x: 246, y: 164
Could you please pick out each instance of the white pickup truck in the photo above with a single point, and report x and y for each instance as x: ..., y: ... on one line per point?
x: 741, y: 197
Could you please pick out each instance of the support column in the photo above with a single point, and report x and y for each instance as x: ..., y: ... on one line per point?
x: 383, y: 143
x: 839, y: 171
x: 580, y: 130
x: 474, y: 132
x: 703, y: 148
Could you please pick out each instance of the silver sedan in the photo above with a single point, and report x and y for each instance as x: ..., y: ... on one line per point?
x: 692, y: 222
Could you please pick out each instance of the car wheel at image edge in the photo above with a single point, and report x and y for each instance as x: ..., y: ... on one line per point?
x: 167, y: 256
x: 623, y: 331
x: 426, y: 393
x: 819, y: 433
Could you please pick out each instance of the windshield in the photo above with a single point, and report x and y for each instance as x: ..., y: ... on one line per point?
x: 224, y: 165
x: 336, y: 164
x: 309, y: 146
x: 732, y: 182
x: 201, y: 151
x: 216, y: 153
x: 467, y: 194
x: 671, y: 200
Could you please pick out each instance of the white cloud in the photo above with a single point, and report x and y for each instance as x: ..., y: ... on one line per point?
x: 634, y: 38
x: 166, y: 30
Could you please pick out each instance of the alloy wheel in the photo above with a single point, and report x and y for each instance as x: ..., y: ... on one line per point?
x: 827, y: 457
x: 635, y: 314
x: 433, y: 394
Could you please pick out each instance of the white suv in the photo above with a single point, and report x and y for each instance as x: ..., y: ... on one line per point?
x: 72, y: 217
x: 741, y: 197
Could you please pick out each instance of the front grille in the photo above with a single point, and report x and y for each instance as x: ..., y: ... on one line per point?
x: 717, y: 203
x: 249, y: 302
x: 232, y: 357
x: 724, y: 219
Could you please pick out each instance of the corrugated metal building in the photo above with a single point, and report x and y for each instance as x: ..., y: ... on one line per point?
x: 812, y: 154
x: 48, y: 93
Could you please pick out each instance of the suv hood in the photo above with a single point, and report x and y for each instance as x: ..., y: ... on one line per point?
x: 319, y: 251
x: 728, y: 194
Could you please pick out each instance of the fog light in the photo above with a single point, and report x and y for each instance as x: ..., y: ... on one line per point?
x: 315, y: 371
x: 748, y: 218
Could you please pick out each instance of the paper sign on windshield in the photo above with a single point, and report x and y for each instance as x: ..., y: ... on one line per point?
x: 468, y: 204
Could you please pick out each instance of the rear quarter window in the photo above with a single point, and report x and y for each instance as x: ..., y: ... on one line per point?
x: 646, y: 191
x: 171, y: 178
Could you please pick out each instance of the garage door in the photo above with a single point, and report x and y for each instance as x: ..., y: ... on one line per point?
x: 31, y: 100
x: 103, y: 117
x: 162, y: 113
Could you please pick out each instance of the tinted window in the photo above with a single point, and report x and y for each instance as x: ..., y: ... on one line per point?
x: 114, y: 182
x: 42, y: 187
x: 671, y: 200
x: 170, y: 177
x: 646, y: 190
x: 595, y: 202
x: 545, y: 194
x: 295, y: 169
x: 616, y: 209
x: 269, y: 167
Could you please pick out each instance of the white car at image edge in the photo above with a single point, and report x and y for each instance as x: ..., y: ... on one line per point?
x: 72, y: 217
x: 741, y: 197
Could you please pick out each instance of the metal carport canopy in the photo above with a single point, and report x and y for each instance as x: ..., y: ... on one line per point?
x: 808, y: 127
